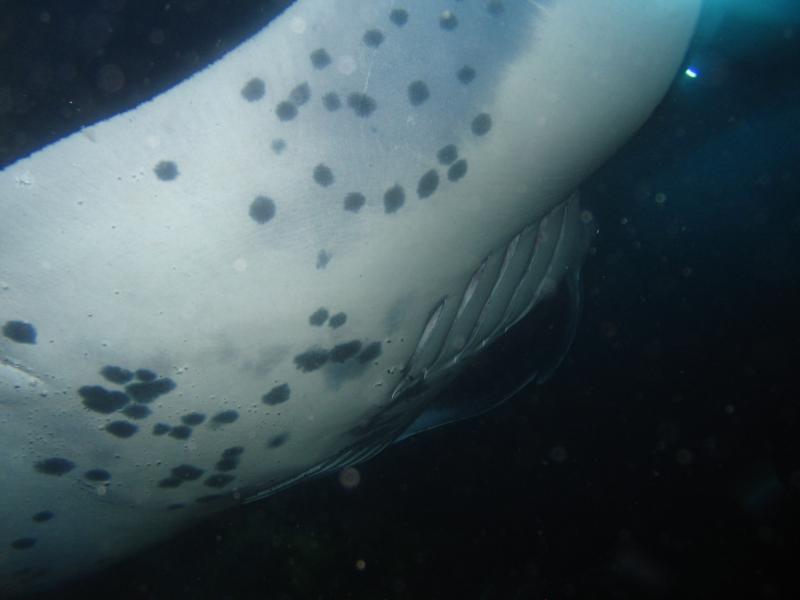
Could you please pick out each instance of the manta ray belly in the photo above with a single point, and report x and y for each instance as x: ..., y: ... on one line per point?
x: 272, y: 269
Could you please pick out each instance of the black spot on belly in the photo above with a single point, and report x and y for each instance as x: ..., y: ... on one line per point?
x: 166, y: 170
x: 457, y: 170
x: 466, y: 74
x: 101, y: 400
x: 97, y: 475
x: 286, y: 111
x: 180, y: 432
x: 161, y: 428
x: 361, y: 104
x: 323, y: 175
x: 43, y: 516
x: 337, y: 320
x: 225, y: 417
x: 122, y: 429
x: 373, y: 38
x: 262, y: 209
x: 370, y: 352
x: 418, y: 92
x: 448, y: 21
x: 277, y: 395
x: 20, y: 332
x: 233, y: 451
x: 193, y: 418
x: 54, y: 466
x: 399, y: 17
x: 254, y: 90
x: 170, y: 482
x: 354, y: 201
x: 393, y: 199
x: 320, y: 58
x: 116, y: 374
x: 345, y: 351
x: 145, y: 375
x: 208, y: 499
x: 147, y: 391
x: 481, y: 124
x: 318, y: 317
x: 447, y: 155
x: 278, y: 146
x: 226, y: 464
x: 300, y: 94
x: 278, y: 440
x: 23, y: 543
x: 323, y: 258
x: 311, y: 359
x: 187, y: 472
x: 218, y: 480
x: 495, y: 7
x: 331, y: 101
x: 428, y: 183
x: 136, y: 411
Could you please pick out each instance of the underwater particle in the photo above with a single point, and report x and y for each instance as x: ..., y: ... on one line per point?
x: 277, y: 395
x: 193, y: 418
x: 254, y: 90
x: 43, y: 516
x: 101, y: 400
x: 399, y: 16
x: 300, y: 94
x: 457, y: 170
x: 331, y: 101
x: 481, y: 124
x: 558, y: 454
x: 361, y: 564
x: 393, y: 199
x: 311, y: 359
x: 362, y: 104
x: 116, y: 374
x: 225, y: 417
x: 54, y: 466
x: 428, y: 183
x: 318, y: 317
x: 320, y: 58
x: 166, y: 170
x: 448, y: 20
x: 323, y: 175
x: 97, y: 475
x: 286, y: 111
x: 337, y: 320
x: 354, y: 201
x: 466, y: 74
x: 122, y: 429
x: 373, y: 38
x: 262, y: 209
x: 23, y: 543
x: 349, y: 478
x: 418, y: 92
x: 20, y: 332
x: 180, y: 432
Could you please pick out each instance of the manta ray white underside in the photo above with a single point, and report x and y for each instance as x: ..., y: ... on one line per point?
x: 277, y: 267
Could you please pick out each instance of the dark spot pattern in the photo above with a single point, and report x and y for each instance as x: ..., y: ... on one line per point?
x: 428, y: 183
x: 466, y: 74
x: 187, y: 472
x: 218, y: 480
x: 495, y: 7
x: 323, y: 258
x: 193, y: 419
x: 97, y: 475
x: 373, y: 38
x: 481, y: 124
x: 166, y: 170
x: 170, y: 482
x: 226, y: 464
x: 457, y: 170
x: 161, y: 428
x: 318, y: 317
x: 116, y: 375
x: 320, y: 58
x: 447, y: 154
x: 136, y: 411
x: 101, y: 400
x: 145, y: 375
x: 345, y: 351
x: 262, y: 209
x: 233, y: 451
x: 300, y: 94
x: 418, y: 92
x: 278, y: 440
x: 354, y: 201
x: 370, y: 352
x: 311, y: 360
x: 399, y: 16
x: 278, y: 146
x: 277, y: 395
x: 54, y: 466
x: 43, y: 516
x: 208, y: 499
x: 337, y: 320
x: 122, y: 429
x: 254, y: 89
x: 323, y: 175
x: 20, y: 332
x: 362, y: 104
x: 448, y: 21
x: 331, y: 101
x: 225, y: 417
x: 393, y: 199
x: 286, y: 111
x: 147, y: 391
x: 181, y: 432
x: 23, y: 543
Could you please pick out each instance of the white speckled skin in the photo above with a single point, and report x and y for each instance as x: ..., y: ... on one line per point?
x: 113, y: 266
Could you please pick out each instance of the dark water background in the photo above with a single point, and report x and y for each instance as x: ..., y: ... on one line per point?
x: 663, y: 458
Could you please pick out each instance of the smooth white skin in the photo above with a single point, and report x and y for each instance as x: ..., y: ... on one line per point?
x: 115, y: 267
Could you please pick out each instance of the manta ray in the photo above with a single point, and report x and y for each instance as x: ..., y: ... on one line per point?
x: 280, y: 266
